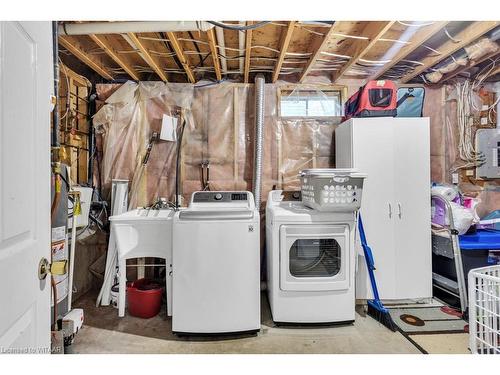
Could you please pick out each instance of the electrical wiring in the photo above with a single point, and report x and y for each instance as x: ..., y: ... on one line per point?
x: 431, y: 49
x: 312, y: 31
x: 454, y: 40
x: 347, y: 36
x: 297, y: 54
x: 266, y: 48
x: 393, y: 41
x: 413, y: 62
x: 238, y: 27
x: 375, y: 61
x: 465, y: 105
x: 316, y: 23
x: 124, y: 52
x: 335, y: 55
x: 195, y: 41
x: 324, y: 69
x: 415, y: 24
x: 67, y: 92
x: 164, y: 54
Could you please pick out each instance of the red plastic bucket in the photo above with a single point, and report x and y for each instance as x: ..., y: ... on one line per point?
x: 144, y: 298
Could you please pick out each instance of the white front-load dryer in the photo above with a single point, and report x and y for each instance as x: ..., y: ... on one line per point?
x: 216, y: 264
x: 310, y: 262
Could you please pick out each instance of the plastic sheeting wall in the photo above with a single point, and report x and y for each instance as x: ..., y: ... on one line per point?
x: 219, y: 130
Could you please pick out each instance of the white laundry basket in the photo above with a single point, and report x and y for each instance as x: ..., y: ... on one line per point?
x: 484, y: 310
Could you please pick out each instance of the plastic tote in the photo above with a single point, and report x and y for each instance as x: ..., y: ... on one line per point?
x: 484, y: 310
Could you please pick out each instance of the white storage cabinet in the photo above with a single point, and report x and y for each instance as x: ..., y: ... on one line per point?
x: 395, y: 153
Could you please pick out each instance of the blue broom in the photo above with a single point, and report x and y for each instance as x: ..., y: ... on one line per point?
x: 375, y: 307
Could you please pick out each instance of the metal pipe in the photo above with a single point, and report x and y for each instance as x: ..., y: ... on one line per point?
x: 124, y: 27
x: 55, y: 111
x: 219, y: 32
x: 259, y: 138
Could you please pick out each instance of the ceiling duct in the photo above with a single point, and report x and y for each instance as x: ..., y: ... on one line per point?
x: 124, y: 27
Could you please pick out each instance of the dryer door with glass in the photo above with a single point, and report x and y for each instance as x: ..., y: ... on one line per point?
x: 314, y: 257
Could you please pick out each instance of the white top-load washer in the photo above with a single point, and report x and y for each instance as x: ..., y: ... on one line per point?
x: 216, y: 264
x: 310, y: 261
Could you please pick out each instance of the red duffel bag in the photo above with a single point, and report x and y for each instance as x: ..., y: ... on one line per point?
x: 375, y: 99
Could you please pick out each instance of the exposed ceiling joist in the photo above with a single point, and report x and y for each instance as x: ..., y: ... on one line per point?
x: 286, y: 36
x: 147, y: 56
x: 319, y: 46
x: 248, y: 51
x: 419, y: 38
x: 78, y: 51
x: 108, y: 48
x: 181, y: 56
x: 374, y: 31
x: 465, y: 37
x: 215, y: 56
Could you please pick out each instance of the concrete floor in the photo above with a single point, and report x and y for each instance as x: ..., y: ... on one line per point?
x: 452, y: 343
x: 104, y: 332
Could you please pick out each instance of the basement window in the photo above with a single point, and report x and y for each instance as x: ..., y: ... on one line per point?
x: 310, y: 103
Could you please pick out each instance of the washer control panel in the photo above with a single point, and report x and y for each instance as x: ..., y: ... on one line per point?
x: 219, y: 196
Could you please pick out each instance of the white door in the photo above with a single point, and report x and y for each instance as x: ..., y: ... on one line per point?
x: 26, y: 84
x: 373, y: 154
x: 412, y: 247
x: 314, y: 257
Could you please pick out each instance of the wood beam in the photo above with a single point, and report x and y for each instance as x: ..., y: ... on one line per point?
x: 318, y: 47
x: 466, y: 36
x: 286, y: 37
x: 215, y: 56
x: 101, y: 41
x: 416, y: 41
x: 147, y: 56
x: 470, y: 64
x: 180, y: 55
x: 73, y: 46
x: 374, y: 31
x: 248, y: 51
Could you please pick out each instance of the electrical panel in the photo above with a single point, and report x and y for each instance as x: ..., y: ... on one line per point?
x: 488, y: 143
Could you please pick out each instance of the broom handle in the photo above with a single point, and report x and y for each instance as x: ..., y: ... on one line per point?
x: 370, y: 263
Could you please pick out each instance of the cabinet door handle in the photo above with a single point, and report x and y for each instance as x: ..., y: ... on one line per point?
x: 399, y: 210
x: 390, y: 210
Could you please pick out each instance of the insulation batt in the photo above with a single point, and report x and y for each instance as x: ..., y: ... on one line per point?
x: 454, y: 65
x: 434, y: 77
x: 481, y: 48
